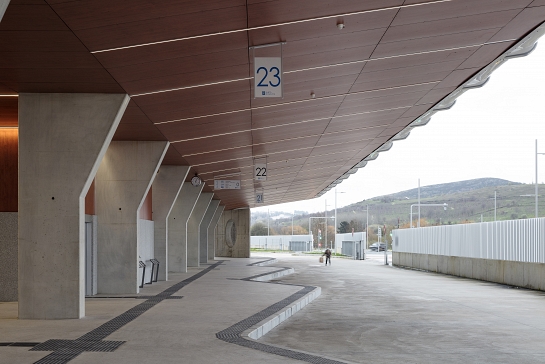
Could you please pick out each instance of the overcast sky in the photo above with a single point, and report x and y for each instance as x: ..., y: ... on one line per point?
x: 490, y: 132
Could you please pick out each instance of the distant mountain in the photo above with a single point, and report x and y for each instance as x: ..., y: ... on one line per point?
x: 468, y: 201
x: 449, y: 188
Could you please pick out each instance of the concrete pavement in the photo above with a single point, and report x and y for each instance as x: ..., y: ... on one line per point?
x: 367, y: 312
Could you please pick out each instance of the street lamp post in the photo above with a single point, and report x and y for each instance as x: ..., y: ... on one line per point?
x: 309, y: 225
x: 536, y: 193
x: 336, y: 218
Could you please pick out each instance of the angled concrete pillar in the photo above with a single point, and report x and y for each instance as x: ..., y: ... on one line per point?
x: 177, y: 227
x: 166, y: 187
x: 62, y: 139
x: 203, y: 230
x: 211, y: 237
x: 193, y: 228
x: 122, y: 183
x: 233, y: 234
x: 3, y: 6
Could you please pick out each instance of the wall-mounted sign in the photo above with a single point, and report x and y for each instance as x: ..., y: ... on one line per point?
x: 226, y: 184
x: 260, y: 171
x: 259, y: 197
x: 267, y: 77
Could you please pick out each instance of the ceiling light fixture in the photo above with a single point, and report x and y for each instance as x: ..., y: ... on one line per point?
x: 340, y: 26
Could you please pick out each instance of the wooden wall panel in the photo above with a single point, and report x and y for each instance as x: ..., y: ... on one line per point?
x: 90, y: 200
x: 146, y: 209
x: 9, y: 141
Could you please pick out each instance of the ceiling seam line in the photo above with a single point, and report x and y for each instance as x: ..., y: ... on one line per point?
x: 327, y: 66
x: 270, y: 26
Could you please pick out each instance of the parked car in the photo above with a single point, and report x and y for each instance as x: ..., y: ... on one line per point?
x: 373, y: 247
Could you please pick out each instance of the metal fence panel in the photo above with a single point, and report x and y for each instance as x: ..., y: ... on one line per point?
x: 514, y: 240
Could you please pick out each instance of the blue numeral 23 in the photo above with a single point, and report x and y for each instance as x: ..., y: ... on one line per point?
x: 276, y: 75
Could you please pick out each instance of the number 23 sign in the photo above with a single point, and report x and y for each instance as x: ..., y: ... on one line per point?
x: 267, y: 77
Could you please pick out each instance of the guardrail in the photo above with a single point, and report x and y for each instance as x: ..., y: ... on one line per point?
x: 513, y: 240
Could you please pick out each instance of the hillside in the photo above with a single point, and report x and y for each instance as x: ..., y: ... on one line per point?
x: 467, y: 201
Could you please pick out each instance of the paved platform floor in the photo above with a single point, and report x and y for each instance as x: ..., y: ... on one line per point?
x: 368, y: 312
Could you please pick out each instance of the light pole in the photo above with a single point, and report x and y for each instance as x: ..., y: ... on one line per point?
x: 536, y: 183
x: 444, y: 205
x: 309, y: 226
x: 335, y: 240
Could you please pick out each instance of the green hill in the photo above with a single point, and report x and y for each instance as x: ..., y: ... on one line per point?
x: 467, y: 202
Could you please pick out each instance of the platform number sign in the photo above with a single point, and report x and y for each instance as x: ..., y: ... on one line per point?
x: 259, y: 197
x: 267, y: 77
x: 260, y: 172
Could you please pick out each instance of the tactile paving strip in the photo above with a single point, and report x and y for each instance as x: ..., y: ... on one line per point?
x: 93, y: 341
x: 233, y: 334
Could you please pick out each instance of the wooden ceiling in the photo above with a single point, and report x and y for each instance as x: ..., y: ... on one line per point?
x: 187, y: 66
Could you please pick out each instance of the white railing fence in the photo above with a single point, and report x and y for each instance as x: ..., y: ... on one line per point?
x: 514, y: 240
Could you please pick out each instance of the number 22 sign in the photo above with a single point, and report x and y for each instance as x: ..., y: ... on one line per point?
x: 267, y: 77
x: 260, y: 172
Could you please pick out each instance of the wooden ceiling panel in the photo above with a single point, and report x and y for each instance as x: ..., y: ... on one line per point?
x: 190, y: 81
x: 162, y: 29
x: 217, y: 157
x: 68, y: 87
x: 330, y: 43
x: 293, y: 131
x: 278, y: 11
x: 58, y: 75
x: 429, y: 44
x: 281, y: 117
x: 492, y: 20
x: 406, y: 80
x: 138, y: 132
x: 101, y: 13
x: 40, y: 41
x: 172, y: 157
x: 322, y: 28
x: 456, y: 78
x: 202, y: 128
x: 484, y: 55
x: 322, y: 59
x: 454, y: 9
x: 521, y: 24
x: 172, y: 50
x: 435, y: 95
x: 218, y: 143
x: 415, y: 71
x: 365, y: 136
x: 184, y: 65
x: 26, y: 17
x: 43, y: 60
x: 406, y: 99
x: 285, y: 145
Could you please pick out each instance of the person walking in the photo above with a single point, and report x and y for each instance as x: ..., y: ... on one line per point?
x: 327, y: 254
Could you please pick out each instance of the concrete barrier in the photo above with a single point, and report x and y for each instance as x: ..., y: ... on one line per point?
x: 519, y: 274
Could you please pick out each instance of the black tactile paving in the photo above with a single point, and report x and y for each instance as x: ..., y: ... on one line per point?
x: 233, y: 333
x: 265, y: 274
x: 65, y: 350
x: 25, y: 344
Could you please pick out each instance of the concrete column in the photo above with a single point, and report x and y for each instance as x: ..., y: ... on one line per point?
x: 177, y: 227
x: 3, y: 6
x: 203, y: 231
x: 233, y: 234
x: 166, y: 187
x: 122, y: 183
x: 212, y: 232
x: 62, y: 139
x: 193, y: 228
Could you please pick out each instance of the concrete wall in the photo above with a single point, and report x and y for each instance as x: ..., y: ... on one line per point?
x: 241, y: 246
x: 212, y: 232
x: 193, y: 228
x: 203, y: 235
x: 8, y: 256
x: 146, y: 245
x: 519, y: 274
